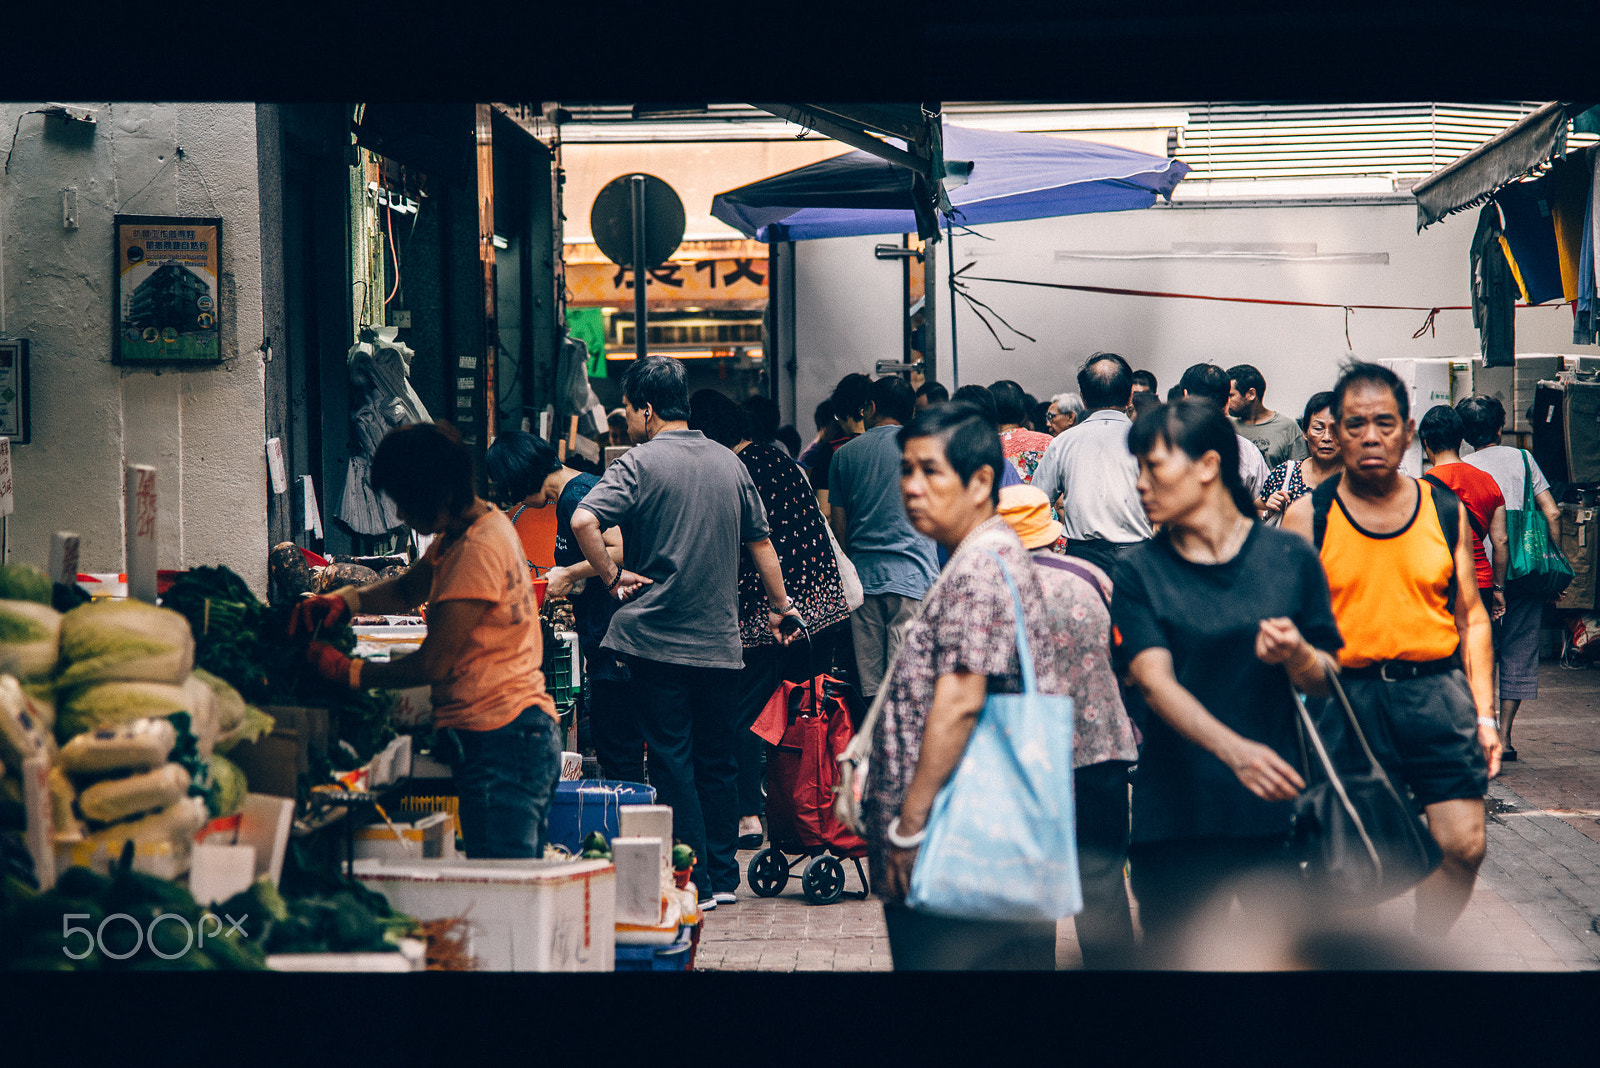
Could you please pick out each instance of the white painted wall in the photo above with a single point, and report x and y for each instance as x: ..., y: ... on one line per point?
x: 203, y: 428
x: 1362, y: 253
x: 847, y: 317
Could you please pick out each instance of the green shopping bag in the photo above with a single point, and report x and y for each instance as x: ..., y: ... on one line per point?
x: 1535, y: 569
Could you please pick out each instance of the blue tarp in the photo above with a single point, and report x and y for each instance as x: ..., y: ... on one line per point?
x: 1014, y: 176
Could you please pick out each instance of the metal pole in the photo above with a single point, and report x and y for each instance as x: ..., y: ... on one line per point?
x: 640, y: 316
x: 930, y: 319
x: 905, y: 301
x: 955, y: 367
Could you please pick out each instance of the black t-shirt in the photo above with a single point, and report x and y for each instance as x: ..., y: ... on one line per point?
x: 1207, y: 616
x: 592, y: 607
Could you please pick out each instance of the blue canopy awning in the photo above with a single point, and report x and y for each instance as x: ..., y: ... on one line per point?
x: 1014, y: 176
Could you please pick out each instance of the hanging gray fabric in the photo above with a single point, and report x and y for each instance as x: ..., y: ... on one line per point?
x: 1494, y: 292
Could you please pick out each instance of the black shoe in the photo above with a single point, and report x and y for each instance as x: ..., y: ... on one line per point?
x: 1507, y: 753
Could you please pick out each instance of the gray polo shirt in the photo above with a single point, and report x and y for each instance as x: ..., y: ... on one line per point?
x: 1091, y: 465
x: 889, y: 554
x: 686, y: 506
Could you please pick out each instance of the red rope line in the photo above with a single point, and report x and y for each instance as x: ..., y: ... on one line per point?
x: 1247, y: 300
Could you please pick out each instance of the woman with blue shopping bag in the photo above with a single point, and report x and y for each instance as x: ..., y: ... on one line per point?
x: 968, y: 801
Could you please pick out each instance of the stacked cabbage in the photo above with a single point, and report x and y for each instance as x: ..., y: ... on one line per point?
x: 139, y: 727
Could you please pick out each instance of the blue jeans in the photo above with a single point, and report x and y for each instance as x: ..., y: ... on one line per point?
x: 506, y: 779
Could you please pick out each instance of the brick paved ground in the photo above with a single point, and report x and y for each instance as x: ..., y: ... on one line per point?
x: 1536, y: 906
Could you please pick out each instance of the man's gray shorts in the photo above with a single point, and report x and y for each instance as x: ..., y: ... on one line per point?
x: 878, y: 627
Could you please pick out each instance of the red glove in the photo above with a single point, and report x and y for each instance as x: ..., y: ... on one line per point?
x: 333, y: 665
x: 325, y: 609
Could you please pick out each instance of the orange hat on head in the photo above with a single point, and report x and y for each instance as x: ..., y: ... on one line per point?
x: 1028, y: 511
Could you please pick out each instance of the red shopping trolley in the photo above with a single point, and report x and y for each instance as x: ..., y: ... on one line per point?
x: 807, y: 725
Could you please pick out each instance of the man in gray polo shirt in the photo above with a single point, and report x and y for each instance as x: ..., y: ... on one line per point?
x: 685, y: 505
x: 1090, y: 468
x: 896, y: 564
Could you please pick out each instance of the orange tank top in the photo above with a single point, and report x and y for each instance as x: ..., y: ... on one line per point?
x: 1390, y: 592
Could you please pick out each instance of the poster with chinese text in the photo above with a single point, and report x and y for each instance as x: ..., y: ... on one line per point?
x: 167, y: 291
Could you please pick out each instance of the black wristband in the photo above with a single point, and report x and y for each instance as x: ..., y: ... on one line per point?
x: 615, y: 579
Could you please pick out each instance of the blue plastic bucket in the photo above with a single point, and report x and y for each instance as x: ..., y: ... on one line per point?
x: 583, y: 806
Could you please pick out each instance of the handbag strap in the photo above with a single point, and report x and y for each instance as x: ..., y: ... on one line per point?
x: 1528, y: 504
x: 1030, y: 683
x: 1308, y: 729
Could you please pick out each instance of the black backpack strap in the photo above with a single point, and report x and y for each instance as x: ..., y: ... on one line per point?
x: 1472, y: 520
x: 1448, y: 506
x: 1321, y: 501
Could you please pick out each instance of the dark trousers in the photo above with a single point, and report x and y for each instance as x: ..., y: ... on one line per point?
x: 613, y: 723
x: 686, y: 715
x: 1105, y: 926
x: 506, y: 779
x: 1099, y: 552
x: 765, y: 667
x: 1184, y: 883
x: 920, y: 942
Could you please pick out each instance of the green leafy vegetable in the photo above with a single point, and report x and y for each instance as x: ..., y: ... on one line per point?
x: 24, y: 582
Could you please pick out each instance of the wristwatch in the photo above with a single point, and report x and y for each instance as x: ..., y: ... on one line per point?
x: 1499, y: 588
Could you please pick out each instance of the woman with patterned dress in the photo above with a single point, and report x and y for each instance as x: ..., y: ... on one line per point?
x: 1293, y: 479
x: 962, y: 646
x: 1021, y: 447
x: 810, y: 575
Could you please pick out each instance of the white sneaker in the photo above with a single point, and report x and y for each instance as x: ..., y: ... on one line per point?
x: 724, y: 897
x: 708, y: 903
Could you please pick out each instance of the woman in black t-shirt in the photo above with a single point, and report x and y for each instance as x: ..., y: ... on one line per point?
x: 527, y: 470
x: 1209, y: 615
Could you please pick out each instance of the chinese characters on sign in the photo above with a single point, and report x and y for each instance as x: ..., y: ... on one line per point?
x: 705, y: 281
x: 168, y: 297
x: 145, y: 507
x: 7, y: 497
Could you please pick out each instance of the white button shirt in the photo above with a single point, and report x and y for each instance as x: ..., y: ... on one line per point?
x: 1090, y: 466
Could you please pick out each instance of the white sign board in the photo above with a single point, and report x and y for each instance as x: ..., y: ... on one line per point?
x: 140, y: 505
x: 64, y: 557
x: 275, y: 465
x: 7, y: 501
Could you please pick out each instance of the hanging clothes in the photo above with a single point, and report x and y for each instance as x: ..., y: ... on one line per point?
x: 1529, y: 238
x: 1494, y: 292
x: 1567, y: 191
x: 1585, y: 329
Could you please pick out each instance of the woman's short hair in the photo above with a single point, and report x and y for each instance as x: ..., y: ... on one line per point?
x: 1195, y: 426
x: 1319, y: 402
x: 979, y: 398
x: 425, y: 468
x: 1440, y: 429
x: 717, y: 417
x: 850, y: 397
x: 519, y: 462
x: 763, y: 418
x: 1068, y: 402
x: 1010, y: 401
x: 1482, y: 420
x: 660, y: 382
x: 824, y: 413
x: 968, y: 437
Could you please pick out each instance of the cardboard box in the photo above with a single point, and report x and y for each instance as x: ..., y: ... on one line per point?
x: 522, y: 915
x: 1579, y: 535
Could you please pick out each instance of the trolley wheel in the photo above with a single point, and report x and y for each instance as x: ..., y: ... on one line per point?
x: 768, y: 873
x: 823, y: 880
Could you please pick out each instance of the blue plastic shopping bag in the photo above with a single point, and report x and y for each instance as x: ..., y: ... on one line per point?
x: 1001, y: 843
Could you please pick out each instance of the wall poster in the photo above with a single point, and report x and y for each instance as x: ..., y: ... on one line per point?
x: 167, y: 296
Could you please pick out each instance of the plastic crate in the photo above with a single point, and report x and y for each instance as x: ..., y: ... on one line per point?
x: 563, y: 676
x: 672, y: 958
x: 587, y: 805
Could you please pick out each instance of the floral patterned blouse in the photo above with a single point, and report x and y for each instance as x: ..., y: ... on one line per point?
x: 1023, y: 449
x: 968, y: 624
x: 800, y: 538
x: 1101, y: 729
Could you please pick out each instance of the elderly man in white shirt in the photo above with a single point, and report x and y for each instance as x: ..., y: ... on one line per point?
x: 1090, y: 468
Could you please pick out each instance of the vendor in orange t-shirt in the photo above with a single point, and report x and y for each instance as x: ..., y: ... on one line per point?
x: 482, y: 653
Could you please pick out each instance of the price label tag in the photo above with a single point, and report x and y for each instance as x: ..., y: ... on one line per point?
x: 7, y: 499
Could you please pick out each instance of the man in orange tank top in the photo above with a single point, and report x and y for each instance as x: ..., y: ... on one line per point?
x: 1417, y: 659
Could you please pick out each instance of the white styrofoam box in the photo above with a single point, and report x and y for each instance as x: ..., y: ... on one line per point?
x: 638, y: 864
x: 1531, y: 368
x: 265, y: 823
x: 522, y: 915
x: 648, y: 821
x: 217, y: 872
x: 432, y: 837
x: 413, y: 706
x: 411, y: 957
x: 1427, y: 383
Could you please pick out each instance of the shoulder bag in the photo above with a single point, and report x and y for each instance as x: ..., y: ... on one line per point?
x: 854, y: 596
x: 1000, y: 842
x: 1358, y: 840
x: 1535, y: 569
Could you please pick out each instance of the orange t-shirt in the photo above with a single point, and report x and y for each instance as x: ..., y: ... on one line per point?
x: 497, y: 674
x: 1391, y: 592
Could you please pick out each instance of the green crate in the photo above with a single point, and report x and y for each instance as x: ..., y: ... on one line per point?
x: 561, y: 679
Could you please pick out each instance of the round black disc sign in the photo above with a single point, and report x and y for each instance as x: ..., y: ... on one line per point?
x: 611, y: 221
